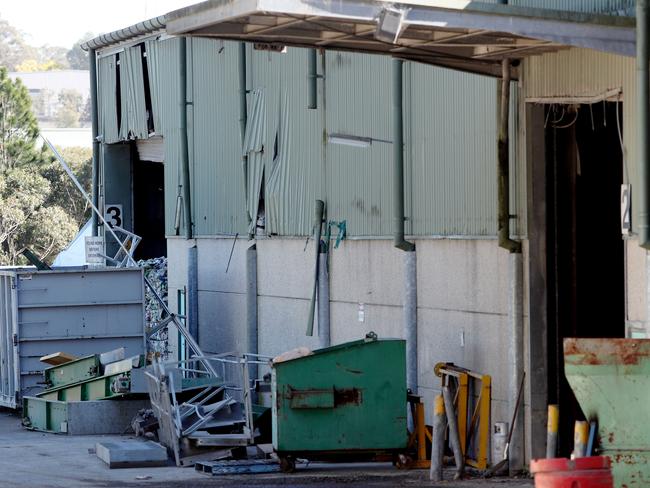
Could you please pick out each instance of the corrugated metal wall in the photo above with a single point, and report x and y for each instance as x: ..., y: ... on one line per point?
x: 584, y: 72
x: 219, y: 205
x: 450, y: 123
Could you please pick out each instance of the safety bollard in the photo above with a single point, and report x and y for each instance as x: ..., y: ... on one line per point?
x: 551, y: 430
x: 454, y: 438
x: 580, y: 439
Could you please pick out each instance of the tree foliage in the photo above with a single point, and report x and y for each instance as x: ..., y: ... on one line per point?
x: 13, y: 48
x: 77, y: 57
x: 37, y: 209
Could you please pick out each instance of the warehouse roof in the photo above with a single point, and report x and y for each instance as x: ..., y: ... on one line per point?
x: 466, y: 35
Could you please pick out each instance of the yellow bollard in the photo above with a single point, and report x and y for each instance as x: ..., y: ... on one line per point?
x: 580, y: 439
x: 551, y: 430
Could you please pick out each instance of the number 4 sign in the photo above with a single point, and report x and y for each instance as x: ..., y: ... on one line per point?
x: 113, y: 215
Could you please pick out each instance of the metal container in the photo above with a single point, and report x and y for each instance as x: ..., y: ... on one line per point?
x: 344, y: 399
x: 611, y: 381
x: 499, y: 441
x: 78, y: 311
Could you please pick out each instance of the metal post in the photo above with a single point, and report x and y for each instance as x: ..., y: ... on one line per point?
x: 454, y: 438
x: 437, y: 438
x: 580, y: 438
x: 643, y: 119
x: 324, y: 339
x: 193, y: 292
x: 516, y: 328
x: 552, y: 425
x: 251, y: 305
x: 318, y: 223
x: 410, y: 320
x: 92, y: 60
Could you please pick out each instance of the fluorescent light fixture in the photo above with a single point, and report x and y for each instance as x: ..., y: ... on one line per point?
x: 390, y: 25
x: 347, y: 140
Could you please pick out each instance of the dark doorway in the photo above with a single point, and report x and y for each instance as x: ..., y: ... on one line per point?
x: 149, y: 209
x: 585, y: 262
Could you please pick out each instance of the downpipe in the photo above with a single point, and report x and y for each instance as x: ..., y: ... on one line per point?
x: 410, y: 262
x: 251, y: 306
x: 92, y: 60
x: 643, y: 119
x: 324, y: 334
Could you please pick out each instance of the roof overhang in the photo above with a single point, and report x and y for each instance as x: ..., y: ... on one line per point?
x: 470, y: 36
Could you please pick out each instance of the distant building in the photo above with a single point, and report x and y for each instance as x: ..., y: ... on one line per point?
x: 46, y: 86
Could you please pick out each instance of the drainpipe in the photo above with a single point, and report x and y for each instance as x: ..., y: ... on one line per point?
x: 185, y: 159
x: 515, y: 272
x: 312, y: 79
x: 94, y: 117
x: 643, y: 121
x: 251, y: 305
x: 324, y: 339
x: 410, y: 263
x: 243, y: 121
x: 319, y: 211
x: 503, y: 164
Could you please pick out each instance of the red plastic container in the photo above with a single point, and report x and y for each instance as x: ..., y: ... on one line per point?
x: 589, y: 472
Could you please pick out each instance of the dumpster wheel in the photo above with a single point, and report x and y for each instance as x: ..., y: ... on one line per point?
x: 287, y: 464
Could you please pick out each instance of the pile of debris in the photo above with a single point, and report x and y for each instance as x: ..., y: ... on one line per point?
x: 155, y: 272
x: 79, y: 392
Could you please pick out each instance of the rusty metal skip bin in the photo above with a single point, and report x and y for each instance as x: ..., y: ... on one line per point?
x: 346, y: 401
x: 611, y: 380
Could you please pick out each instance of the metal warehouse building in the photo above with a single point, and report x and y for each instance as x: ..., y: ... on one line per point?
x: 219, y: 127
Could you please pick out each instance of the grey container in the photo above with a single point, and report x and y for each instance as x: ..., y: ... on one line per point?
x: 78, y: 311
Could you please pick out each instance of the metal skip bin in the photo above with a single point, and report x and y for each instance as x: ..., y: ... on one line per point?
x: 342, y: 400
x: 611, y: 381
x: 77, y: 311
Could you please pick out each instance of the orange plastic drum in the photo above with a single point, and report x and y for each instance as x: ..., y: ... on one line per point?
x: 589, y: 472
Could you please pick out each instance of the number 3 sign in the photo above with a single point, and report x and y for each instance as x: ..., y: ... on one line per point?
x: 113, y: 215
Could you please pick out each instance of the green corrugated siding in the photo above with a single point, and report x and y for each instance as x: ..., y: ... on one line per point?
x: 218, y: 180
x: 597, y: 6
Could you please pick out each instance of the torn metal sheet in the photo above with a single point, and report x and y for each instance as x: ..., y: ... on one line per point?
x: 133, y: 122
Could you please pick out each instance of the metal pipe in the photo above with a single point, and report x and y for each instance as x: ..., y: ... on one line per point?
x: 437, y: 439
x: 251, y: 305
x: 92, y: 61
x: 454, y: 438
x: 185, y: 159
x: 193, y: 292
x: 318, y: 221
x: 312, y: 79
x: 398, y: 157
x: 243, y: 122
x: 516, y: 335
x: 324, y: 339
x: 503, y: 164
x: 410, y: 320
x: 643, y: 119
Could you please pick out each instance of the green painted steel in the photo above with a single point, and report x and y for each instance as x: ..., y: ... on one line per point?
x: 133, y: 121
x: 597, y: 6
x: 342, y: 398
x: 107, y: 98
x: 72, y: 372
x: 97, y: 388
x: 611, y: 380
x: 45, y: 415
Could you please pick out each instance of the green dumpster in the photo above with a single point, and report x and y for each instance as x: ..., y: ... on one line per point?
x: 344, y: 400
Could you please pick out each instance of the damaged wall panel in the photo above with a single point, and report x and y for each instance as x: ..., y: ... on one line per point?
x: 293, y: 142
x: 133, y: 122
x: 218, y: 191
x: 152, y: 49
x: 254, y: 150
x: 107, y: 98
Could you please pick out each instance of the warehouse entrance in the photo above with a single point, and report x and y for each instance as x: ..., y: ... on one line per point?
x: 579, y: 250
x: 149, y: 209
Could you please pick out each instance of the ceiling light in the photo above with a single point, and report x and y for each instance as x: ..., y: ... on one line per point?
x: 347, y: 140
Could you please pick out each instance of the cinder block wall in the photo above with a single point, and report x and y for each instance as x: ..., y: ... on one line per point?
x: 462, y: 300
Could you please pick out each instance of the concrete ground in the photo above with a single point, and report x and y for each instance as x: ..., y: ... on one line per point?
x: 56, y: 461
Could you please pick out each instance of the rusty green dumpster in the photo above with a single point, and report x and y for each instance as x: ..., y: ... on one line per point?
x: 341, y: 401
x: 611, y: 381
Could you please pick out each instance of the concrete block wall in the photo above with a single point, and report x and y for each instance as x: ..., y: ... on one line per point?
x: 462, y: 300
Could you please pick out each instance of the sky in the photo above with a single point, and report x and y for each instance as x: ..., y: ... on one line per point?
x: 63, y: 22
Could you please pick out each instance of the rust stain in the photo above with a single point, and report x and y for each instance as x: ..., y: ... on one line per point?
x: 606, y: 351
x: 610, y: 437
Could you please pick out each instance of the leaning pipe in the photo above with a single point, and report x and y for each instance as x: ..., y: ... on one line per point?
x: 185, y: 159
x: 318, y: 223
x: 643, y: 119
x: 312, y: 79
x: 92, y: 60
x: 503, y: 164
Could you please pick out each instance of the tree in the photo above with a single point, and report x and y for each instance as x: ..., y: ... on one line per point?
x: 18, y: 125
x: 77, y: 57
x: 13, y: 48
x: 71, y: 106
x: 32, y: 65
x: 31, y: 215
